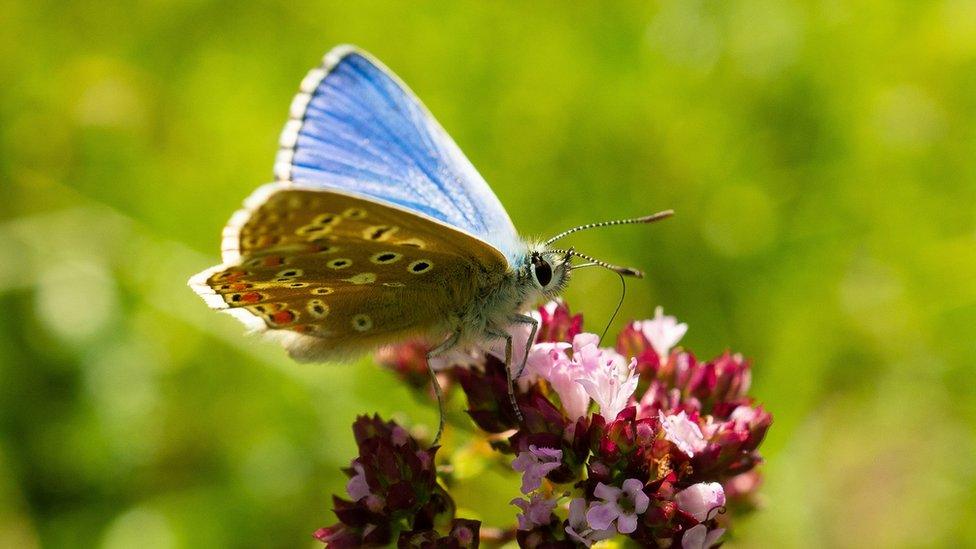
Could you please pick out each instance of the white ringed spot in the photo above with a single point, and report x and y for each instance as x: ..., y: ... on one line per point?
x: 385, y: 258
x: 413, y: 243
x: 340, y: 263
x: 317, y: 308
x: 290, y: 273
x: 379, y: 233
x: 362, y: 322
x: 323, y: 290
x: 313, y: 230
x: 354, y: 213
x: 319, y: 246
x: 327, y: 219
x: 420, y: 266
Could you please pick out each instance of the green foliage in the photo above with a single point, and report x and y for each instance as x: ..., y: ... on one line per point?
x: 819, y: 156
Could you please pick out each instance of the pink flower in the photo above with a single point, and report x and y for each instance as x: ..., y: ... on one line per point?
x: 663, y: 332
x: 684, y: 433
x: 610, y: 380
x: 535, y: 464
x: 743, y: 485
x: 536, y: 512
x: 702, y: 500
x: 551, y: 362
x: 520, y: 340
x: 620, y: 505
x: 579, y: 529
x: 700, y: 537
x: 575, y: 401
x: 744, y: 415
x: 357, y: 487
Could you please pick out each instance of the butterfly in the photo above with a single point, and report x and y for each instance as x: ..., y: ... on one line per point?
x: 378, y: 229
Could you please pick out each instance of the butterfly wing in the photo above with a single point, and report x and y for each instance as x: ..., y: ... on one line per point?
x: 333, y: 274
x: 355, y: 126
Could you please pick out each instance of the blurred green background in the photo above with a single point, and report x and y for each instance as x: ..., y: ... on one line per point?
x: 819, y: 155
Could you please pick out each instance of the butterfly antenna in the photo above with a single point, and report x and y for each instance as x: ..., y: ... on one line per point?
x: 623, y: 294
x: 646, y: 219
x: 623, y: 271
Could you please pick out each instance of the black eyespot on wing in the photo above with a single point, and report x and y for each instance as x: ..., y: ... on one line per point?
x: 379, y: 232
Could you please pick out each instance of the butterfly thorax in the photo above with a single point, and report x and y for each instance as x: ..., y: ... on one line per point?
x: 538, y: 275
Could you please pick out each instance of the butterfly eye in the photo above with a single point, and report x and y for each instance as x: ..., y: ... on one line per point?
x: 541, y: 270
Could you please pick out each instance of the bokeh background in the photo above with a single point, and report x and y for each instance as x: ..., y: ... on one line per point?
x: 819, y: 155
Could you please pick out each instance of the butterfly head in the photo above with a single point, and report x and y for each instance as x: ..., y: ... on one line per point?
x: 549, y: 270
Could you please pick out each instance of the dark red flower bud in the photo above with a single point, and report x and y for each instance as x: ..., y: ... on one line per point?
x: 488, y: 401
x: 631, y: 342
x: 557, y: 323
x: 660, y: 512
x: 466, y: 532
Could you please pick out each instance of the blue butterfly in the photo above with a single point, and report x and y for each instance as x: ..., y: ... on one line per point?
x: 378, y: 229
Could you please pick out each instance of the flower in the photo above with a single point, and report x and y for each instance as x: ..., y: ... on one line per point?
x: 557, y: 324
x: 684, y: 433
x: 663, y: 332
x: 622, y: 505
x: 700, y: 537
x: 657, y: 470
x: 610, y: 380
x: 700, y: 500
x: 535, y: 464
x: 520, y: 333
x: 390, y: 463
x: 579, y: 529
x: 535, y: 512
x: 551, y: 362
x: 357, y: 487
x: 562, y: 376
x: 464, y: 535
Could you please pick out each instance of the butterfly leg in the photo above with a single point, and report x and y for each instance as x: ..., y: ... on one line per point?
x: 508, y: 370
x: 525, y: 319
x: 446, y: 345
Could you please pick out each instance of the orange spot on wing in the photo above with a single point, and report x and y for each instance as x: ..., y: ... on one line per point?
x: 283, y: 317
x: 228, y: 276
x: 251, y: 297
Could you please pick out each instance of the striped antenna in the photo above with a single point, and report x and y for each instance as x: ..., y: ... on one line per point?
x: 625, y: 271
x: 646, y: 219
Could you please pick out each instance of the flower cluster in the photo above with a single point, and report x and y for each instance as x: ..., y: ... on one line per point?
x: 394, y: 494
x: 641, y: 440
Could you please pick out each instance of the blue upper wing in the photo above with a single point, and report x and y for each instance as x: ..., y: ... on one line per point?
x: 355, y: 127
